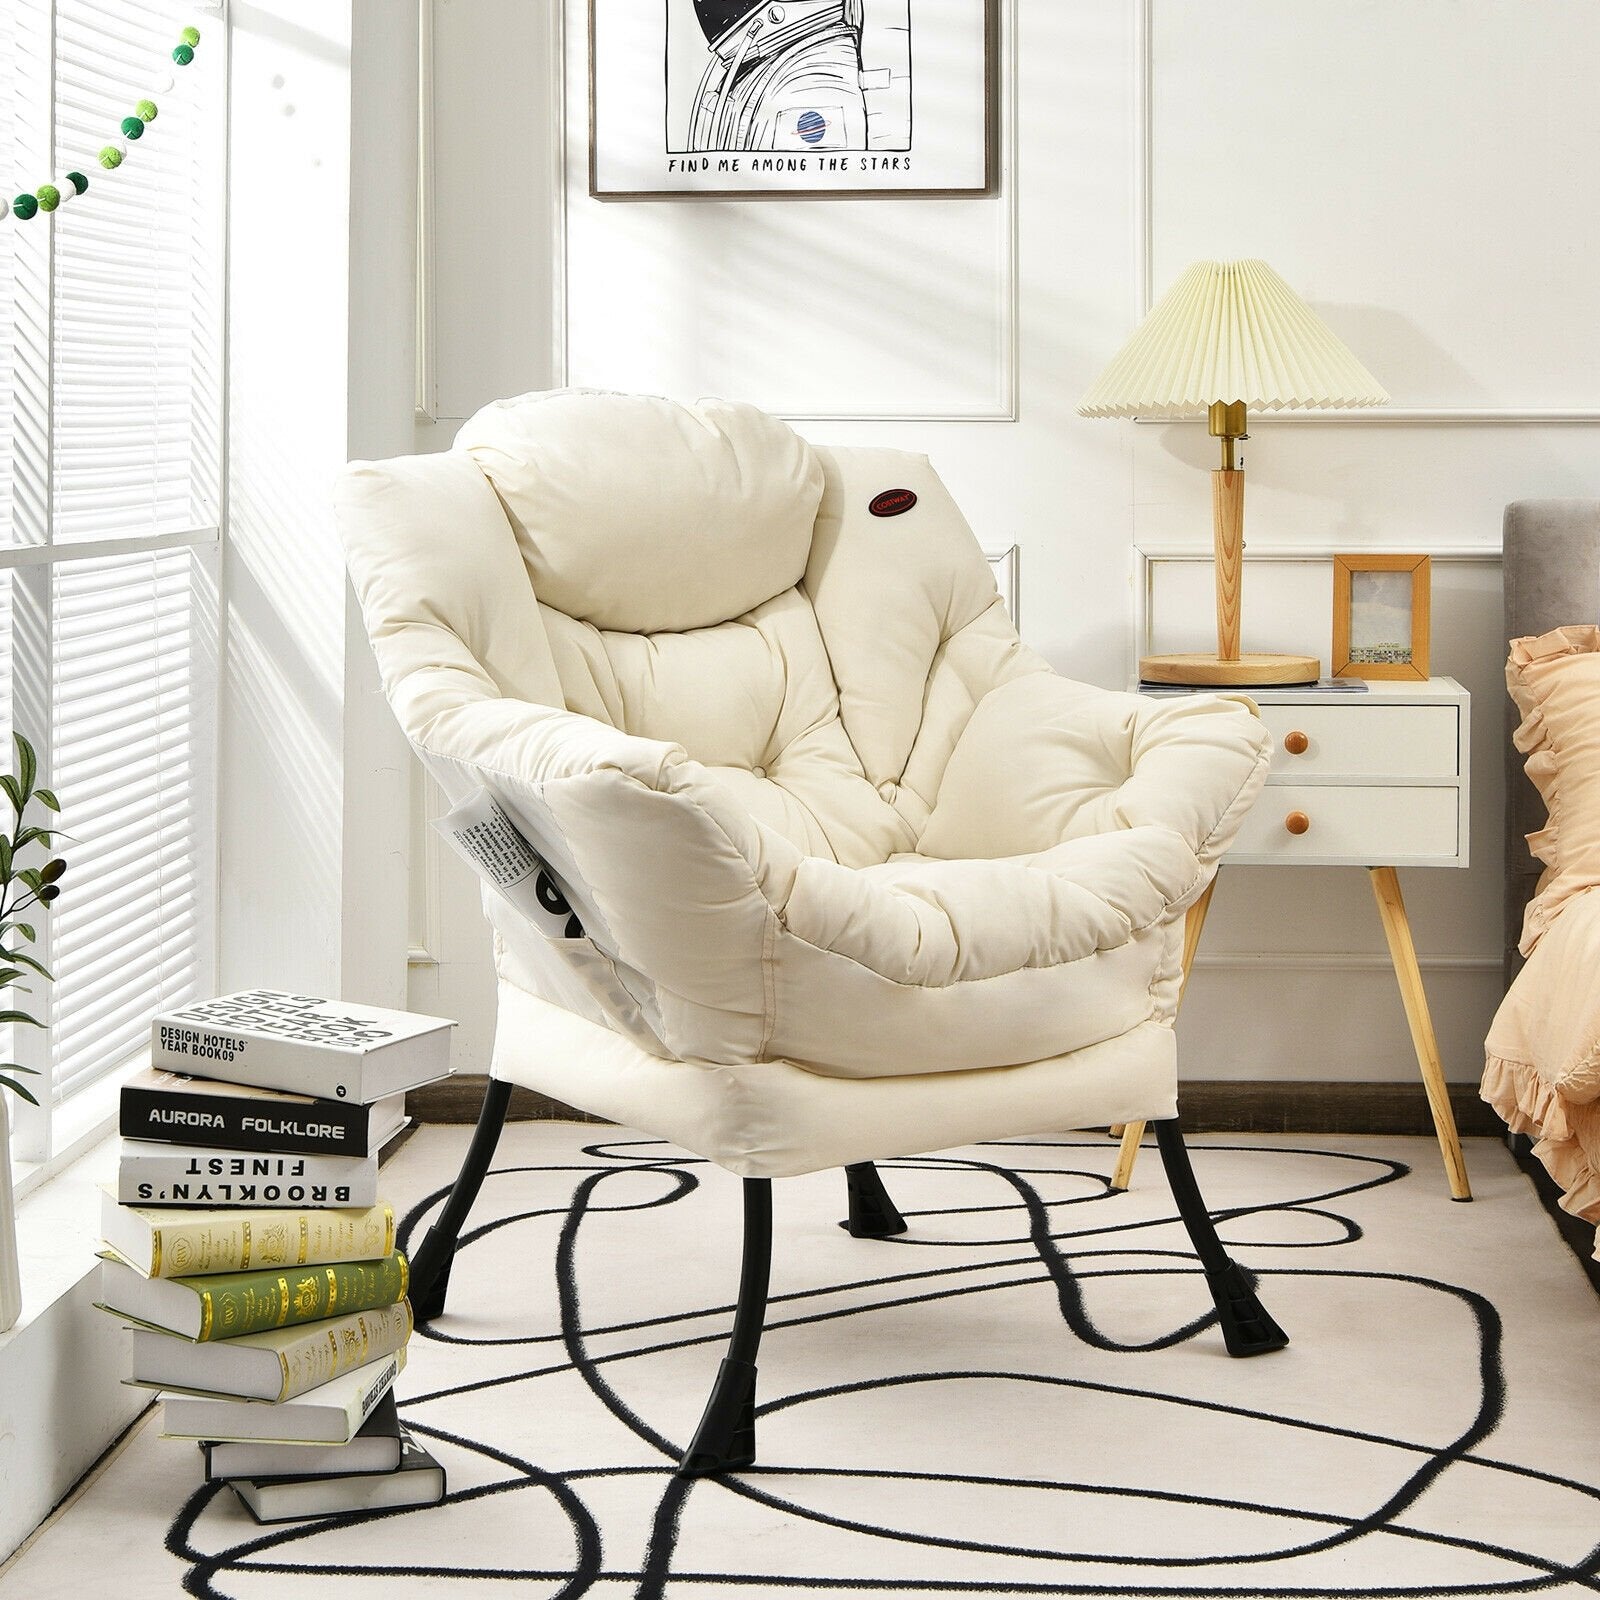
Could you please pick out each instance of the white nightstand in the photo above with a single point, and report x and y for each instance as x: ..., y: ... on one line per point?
x: 1375, y: 779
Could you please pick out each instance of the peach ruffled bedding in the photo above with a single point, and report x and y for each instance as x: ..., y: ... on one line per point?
x: 1542, y: 1056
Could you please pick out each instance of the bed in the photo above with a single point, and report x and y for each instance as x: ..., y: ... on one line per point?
x: 1542, y: 1066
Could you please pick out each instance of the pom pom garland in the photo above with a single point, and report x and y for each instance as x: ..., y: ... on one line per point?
x: 49, y: 196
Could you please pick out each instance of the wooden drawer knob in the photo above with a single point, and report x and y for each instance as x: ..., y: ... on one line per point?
x: 1297, y: 822
x: 1296, y: 743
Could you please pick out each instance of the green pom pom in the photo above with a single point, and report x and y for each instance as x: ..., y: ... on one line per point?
x: 49, y: 196
x: 110, y: 157
x: 24, y: 206
x: 190, y: 36
x: 146, y: 110
x: 132, y: 128
x: 78, y: 181
x: 183, y: 55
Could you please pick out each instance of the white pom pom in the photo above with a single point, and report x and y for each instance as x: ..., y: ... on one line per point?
x: 69, y: 190
x: 5, y: 206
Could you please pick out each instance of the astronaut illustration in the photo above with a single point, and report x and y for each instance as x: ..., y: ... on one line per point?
x: 783, y: 75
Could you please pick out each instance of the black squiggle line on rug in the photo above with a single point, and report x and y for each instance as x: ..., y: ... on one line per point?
x: 1066, y: 1270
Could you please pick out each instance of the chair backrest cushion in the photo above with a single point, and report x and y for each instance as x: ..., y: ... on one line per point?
x: 645, y: 516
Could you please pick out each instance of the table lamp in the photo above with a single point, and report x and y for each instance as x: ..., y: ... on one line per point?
x: 1229, y: 335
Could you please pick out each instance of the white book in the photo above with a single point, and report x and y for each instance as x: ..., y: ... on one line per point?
x: 151, y: 1174
x: 332, y: 1049
x: 276, y: 1365
x: 417, y: 1481
x: 375, y: 1448
x: 332, y: 1414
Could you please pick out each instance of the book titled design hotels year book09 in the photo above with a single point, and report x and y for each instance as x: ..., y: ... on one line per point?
x: 174, y: 1108
x: 333, y: 1049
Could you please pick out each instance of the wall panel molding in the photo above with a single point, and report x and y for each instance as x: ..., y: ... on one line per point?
x: 1000, y: 404
x: 1144, y: 222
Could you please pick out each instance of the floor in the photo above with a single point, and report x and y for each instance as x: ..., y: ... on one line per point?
x: 1020, y: 1396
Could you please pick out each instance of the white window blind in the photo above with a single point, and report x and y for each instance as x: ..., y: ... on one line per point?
x: 111, y: 383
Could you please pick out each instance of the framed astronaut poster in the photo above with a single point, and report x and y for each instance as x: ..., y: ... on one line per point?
x: 791, y: 97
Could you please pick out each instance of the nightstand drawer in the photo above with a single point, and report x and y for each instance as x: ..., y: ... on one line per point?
x: 1356, y: 824
x: 1363, y: 740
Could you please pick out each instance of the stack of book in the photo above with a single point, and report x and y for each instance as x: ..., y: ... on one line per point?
x: 248, y: 1248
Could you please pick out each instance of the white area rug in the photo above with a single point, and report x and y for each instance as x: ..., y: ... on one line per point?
x: 933, y: 1421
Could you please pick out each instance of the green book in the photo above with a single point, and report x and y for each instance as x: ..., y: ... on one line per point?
x: 223, y: 1305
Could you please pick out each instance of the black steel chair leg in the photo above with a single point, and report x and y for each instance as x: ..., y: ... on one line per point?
x: 726, y: 1437
x: 1246, y: 1327
x: 430, y: 1266
x: 873, y: 1215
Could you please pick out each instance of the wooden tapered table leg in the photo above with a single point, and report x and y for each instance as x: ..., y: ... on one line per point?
x: 1132, y: 1132
x: 1403, y: 953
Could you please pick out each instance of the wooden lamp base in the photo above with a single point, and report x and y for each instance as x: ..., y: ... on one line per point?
x: 1241, y: 671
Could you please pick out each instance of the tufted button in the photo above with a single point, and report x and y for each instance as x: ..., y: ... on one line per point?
x: 758, y: 772
x: 888, y: 790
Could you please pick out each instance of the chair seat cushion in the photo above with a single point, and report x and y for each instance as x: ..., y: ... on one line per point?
x: 921, y: 920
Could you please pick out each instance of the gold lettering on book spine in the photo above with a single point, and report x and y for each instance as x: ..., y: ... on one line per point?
x: 155, y: 1252
x: 244, y: 1248
x: 283, y: 1301
x: 388, y: 1230
x: 333, y: 1292
x: 405, y: 1276
x: 205, y: 1315
x: 305, y: 1239
x: 283, y: 1382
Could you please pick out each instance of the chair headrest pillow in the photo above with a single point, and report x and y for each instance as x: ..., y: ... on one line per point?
x: 706, y: 510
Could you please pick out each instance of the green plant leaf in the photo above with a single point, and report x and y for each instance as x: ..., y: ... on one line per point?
x: 19, y: 1016
x: 9, y: 784
x: 47, y: 798
x: 17, y: 1088
x: 27, y: 961
x: 28, y: 764
x: 26, y: 929
x: 31, y: 876
x: 9, y: 975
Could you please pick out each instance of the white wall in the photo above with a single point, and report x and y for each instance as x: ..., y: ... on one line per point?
x: 313, y: 774
x: 1366, y: 150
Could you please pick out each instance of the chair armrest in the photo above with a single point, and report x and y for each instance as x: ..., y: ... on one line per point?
x: 1045, y: 759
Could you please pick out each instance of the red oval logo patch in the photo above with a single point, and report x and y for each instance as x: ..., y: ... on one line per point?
x: 892, y: 503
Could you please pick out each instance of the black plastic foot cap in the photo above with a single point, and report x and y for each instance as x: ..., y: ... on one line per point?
x: 726, y: 1437
x: 1247, y: 1330
x: 428, y: 1292
x: 873, y: 1215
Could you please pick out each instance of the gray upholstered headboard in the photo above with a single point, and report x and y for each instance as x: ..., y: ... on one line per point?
x: 1552, y: 578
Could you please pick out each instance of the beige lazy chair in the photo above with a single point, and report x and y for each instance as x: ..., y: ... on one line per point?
x: 839, y: 869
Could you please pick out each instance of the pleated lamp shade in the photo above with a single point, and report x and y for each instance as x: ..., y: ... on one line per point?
x: 1231, y: 331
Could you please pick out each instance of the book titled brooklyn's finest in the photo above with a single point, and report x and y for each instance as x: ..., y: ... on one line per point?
x: 334, y: 1049
x: 151, y: 1174
x: 175, y: 1108
x: 172, y: 1242
x: 417, y: 1481
x: 332, y: 1414
x: 228, y: 1304
x: 276, y: 1365
x: 375, y: 1448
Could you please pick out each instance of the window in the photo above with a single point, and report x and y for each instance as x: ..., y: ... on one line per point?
x: 111, y: 471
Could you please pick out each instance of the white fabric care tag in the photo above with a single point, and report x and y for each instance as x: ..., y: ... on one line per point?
x: 481, y: 833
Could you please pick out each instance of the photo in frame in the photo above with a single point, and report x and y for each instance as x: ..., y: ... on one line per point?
x: 1381, y: 621
x: 805, y: 98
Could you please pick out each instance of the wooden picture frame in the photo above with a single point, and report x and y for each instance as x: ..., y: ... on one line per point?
x: 1381, y: 621
x: 668, y: 117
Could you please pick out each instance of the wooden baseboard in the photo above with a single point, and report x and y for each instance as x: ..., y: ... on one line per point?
x: 1214, y: 1106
